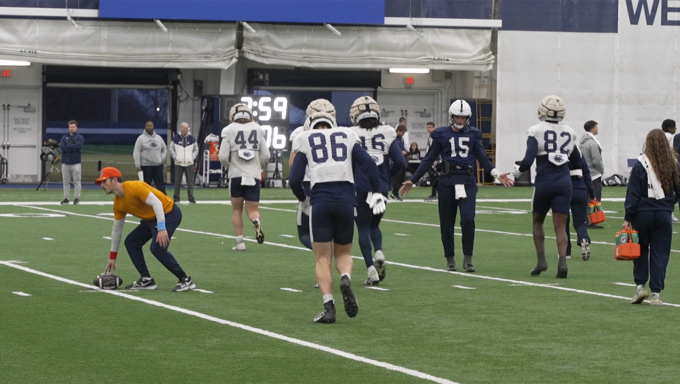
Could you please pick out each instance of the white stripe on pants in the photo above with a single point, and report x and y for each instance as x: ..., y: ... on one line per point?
x: 71, y: 172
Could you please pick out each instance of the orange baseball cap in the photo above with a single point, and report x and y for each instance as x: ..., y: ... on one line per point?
x: 106, y: 173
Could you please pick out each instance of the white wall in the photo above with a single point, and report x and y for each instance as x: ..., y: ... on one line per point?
x: 21, y: 129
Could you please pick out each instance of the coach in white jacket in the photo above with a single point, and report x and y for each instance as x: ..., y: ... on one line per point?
x: 184, y: 150
x: 149, y: 154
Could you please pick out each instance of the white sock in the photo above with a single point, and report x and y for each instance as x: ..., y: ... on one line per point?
x: 348, y: 276
x: 327, y: 298
x: 239, y: 239
x: 256, y: 221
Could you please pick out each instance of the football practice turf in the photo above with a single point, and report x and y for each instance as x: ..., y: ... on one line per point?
x: 251, y: 321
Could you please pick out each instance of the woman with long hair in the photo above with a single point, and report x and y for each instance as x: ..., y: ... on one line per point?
x: 414, y: 152
x: 654, y: 181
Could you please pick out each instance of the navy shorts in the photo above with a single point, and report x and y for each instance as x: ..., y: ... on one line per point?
x: 555, y: 196
x: 249, y: 192
x: 332, y: 222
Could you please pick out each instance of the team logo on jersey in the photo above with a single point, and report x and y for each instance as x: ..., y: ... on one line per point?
x: 376, y: 159
x: 153, y: 144
x: 559, y: 158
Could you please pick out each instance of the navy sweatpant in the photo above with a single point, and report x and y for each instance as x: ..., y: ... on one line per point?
x: 368, y: 226
x: 655, y: 230
x: 145, y: 231
x: 579, y: 208
x: 448, y: 206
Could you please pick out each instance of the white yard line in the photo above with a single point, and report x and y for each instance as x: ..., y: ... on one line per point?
x: 319, y: 347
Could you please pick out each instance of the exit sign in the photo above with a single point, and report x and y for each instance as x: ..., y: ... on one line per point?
x: 6, y: 73
x: 408, y: 80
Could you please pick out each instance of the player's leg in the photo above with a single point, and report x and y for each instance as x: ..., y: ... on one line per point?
x: 134, y: 242
x: 539, y: 243
x: 467, y: 225
x: 376, y: 239
x: 643, y: 223
x: 363, y: 221
x: 172, y: 221
x: 447, y: 218
x: 322, y: 237
x: 252, y: 197
x: 568, y: 233
x: 579, y: 205
x: 236, y: 191
x: 659, y: 252
x: 560, y: 204
x: 343, y: 234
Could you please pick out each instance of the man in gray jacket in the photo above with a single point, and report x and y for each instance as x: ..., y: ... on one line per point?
x: 184, y: 150
x: 149, y: 154
x: 592, y: 152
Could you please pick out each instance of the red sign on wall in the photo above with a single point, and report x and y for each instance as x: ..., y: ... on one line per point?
x: 6, y: 73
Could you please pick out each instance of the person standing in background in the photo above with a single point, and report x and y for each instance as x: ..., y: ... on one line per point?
x: 149, y: 154
x: 650, y: 196
x: 184, y: 150
x: 592, y: 153
x: 70, y: 146
x: 399, y: 178
x: 433, y: 172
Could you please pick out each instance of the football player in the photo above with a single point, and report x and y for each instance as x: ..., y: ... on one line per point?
x: 243, y: 148
x: 379, y: 142
x: 160, y: 217
x: 551, y: 143
x: 460, y: 147
x: 331, y: 154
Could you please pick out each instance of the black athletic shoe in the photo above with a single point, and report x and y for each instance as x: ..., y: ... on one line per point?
x: 259, y: 235
x: 76, y: 201
x: 185, y: 284
x: 351, y: 305
x: 540, y: 267
x: 64, y: 202
x: 451, y: 264
x: 327, y: 316
x: 143, y: 283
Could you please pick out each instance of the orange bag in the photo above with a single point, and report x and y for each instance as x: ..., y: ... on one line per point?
x: 595, y: 212
x: 627, y: 247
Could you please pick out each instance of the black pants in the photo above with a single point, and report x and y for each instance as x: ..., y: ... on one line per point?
x: 147, y: 230
x: 655, y: 230
x: 579, y: 207
x: 597, y: 186
x: 154, y: 173
x: 434, y: 180
x: 448, y: 206
x: 397, y: 180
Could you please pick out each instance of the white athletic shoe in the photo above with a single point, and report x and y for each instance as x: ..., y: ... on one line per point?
x: 239, y: 247
x: 380, y: 264
x: 373, y: 278
x: 675, y: 219
x: 640, y: 295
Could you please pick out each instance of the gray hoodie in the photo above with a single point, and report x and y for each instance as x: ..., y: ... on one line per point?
x: 149, y: 150
x: 593, y: 155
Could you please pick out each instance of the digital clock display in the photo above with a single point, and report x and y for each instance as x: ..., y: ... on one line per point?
x: 271, y: 112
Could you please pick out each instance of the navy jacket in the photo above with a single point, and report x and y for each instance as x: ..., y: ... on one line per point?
x: 70, y: 148
x: 637, y: 198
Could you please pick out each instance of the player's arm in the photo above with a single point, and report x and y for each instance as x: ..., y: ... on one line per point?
x: 633, y: 193
x: 137, y: 153
x: 162, y: 238
x: 116, y: 236
x: 575, y: 158
x: 362, y: 160
x: 398, y: 161
x: 425, y: 164
x: 529, y: 155
x: 297, y: 175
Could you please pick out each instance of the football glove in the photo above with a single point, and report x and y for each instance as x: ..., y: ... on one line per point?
x: 377, y: 202
x: 306, y: 206
x: 516, y: 172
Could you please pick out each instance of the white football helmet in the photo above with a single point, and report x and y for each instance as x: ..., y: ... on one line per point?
x: 318, y: 117
x: 460, y: 108
x: 318, y: 105
x: 364, y: 108
x: 552, y: 108
x: 240, y: 111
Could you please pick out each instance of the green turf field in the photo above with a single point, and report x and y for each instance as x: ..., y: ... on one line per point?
x: 499, y: 325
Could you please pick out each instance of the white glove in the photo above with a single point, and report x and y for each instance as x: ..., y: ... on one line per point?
x: 377, y: 202
x: 516, y: 173
x: 306, y: 206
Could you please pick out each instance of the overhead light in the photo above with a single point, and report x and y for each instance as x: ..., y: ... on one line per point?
x: 409, y: 70
x: 332, y: 29
x: 70, y: 19
x: 161, y: 26
x: 411, y: 27
x: 14, y: 63
x: 248, y: 27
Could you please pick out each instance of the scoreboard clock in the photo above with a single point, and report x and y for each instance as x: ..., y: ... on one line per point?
x: 270, y: 111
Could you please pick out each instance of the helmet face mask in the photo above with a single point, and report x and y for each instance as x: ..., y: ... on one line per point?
x: 240, y: 111
x: 460, y: 108
x: 552, y: 108
x: 364, y: 107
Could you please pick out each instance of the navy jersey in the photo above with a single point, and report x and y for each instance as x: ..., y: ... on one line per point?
x: 552, y: 146
x: 461, y: 150
x: 637, y: 197
x: 580, y: 176
x: 381, y: 144
x: 333, y: 156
